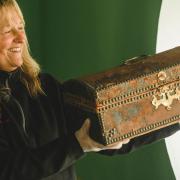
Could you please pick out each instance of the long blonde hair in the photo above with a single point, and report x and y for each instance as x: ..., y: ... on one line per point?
x: 30, y: 68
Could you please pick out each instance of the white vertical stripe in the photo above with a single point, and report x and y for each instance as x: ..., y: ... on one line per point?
x: 168, y: 37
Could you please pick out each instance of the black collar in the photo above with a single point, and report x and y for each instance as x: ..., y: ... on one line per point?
x: 9, y: 77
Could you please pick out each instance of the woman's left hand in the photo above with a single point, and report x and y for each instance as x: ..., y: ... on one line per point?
x: 89, y: 145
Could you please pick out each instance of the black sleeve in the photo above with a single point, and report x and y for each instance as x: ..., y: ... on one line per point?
x: 20, y: 161
x: 31, y: 164
x: 144, y: 140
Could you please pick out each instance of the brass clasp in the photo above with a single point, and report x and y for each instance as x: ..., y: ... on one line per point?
x: 165, y: 97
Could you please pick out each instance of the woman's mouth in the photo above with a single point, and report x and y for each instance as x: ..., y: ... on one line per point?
x: 15, y: 50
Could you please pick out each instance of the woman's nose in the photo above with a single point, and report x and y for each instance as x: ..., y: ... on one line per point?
x: 19, y: 37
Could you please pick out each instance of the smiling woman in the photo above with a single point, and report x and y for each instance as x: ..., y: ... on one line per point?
x: 14, y: 51
x: 12, y: 39
x: 35, y: 140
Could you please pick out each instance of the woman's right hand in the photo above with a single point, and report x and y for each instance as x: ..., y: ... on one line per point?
x: 88, y: 144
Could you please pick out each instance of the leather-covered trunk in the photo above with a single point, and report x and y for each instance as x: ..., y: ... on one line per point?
x: 135, y: 98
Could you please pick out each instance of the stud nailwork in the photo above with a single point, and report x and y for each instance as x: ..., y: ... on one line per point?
x: 110, y: 139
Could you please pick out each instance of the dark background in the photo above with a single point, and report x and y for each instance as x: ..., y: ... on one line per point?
x: 72, y: 38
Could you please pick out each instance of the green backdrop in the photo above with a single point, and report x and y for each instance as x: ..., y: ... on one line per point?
x: 76, y: 37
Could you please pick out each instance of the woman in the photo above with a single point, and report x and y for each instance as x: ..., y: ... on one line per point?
x: 34, y: 141
x: 33, y: 138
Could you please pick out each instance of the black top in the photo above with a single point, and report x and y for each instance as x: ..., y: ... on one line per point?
x: 34, y: 141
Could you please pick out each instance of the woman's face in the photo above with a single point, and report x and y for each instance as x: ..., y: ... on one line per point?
x: 12, y: 39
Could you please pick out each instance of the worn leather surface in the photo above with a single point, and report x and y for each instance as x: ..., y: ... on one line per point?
x: 127, y: 101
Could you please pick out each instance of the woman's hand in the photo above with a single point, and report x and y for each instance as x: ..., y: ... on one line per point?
x: 88, y: 144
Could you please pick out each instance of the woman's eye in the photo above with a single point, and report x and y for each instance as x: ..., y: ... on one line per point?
x: 7, y: 31
x: 21, y: 28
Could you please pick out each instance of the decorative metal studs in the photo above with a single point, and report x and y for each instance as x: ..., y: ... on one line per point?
x: 162, y: 76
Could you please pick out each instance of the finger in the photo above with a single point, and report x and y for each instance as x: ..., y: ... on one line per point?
x: 97, y: 145
x: 94, y: 149
x: 86, y: 125
x: 115, y: 146
x: 125, y: 141
x: 93, y: 146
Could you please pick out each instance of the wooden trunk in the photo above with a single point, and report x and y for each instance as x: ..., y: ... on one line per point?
x: 135, y: 98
